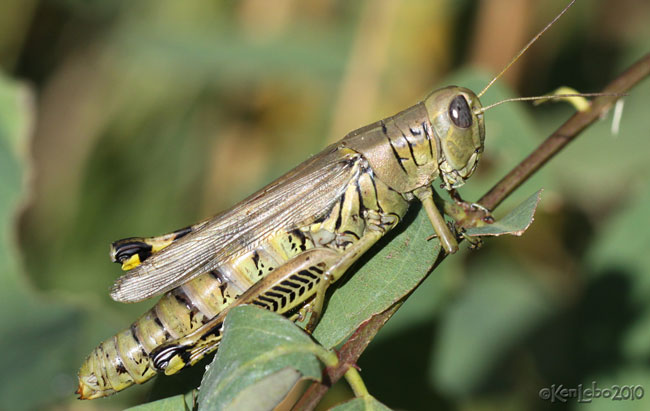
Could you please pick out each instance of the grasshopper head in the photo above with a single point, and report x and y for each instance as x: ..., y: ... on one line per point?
x: 459, y: 132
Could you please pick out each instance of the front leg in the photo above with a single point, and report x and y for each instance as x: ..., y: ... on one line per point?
x: 447, y: 238
x: 467, y: 211
x: 467, y: 215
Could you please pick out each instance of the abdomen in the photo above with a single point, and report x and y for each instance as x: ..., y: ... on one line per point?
x: 124, y: 359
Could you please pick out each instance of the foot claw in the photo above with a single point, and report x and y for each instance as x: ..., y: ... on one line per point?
x: 474, y: 242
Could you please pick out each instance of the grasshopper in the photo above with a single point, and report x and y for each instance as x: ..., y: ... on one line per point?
x: 282, y: 247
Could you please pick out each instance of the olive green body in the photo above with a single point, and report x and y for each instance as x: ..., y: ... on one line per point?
x: 381, y: 168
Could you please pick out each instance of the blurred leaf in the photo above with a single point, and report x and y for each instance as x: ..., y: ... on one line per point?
x: 515, y: 223
x: 33, y: 372
x: 266, y: 393
x: 631, y: 376
x: 256, y: 344
x: 361, y: 404
x: 182, y: 402
x: 599, y: 168
x: 622, y: 249
x: 624, y: 242
x: 213, y: 52
x: 493, y: 314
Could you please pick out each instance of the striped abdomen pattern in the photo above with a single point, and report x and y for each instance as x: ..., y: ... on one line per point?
x: 126, y: 358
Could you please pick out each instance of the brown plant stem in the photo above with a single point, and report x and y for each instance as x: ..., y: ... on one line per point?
x: 566, y: 133
x: 348, y: 356
x: 356, y: 344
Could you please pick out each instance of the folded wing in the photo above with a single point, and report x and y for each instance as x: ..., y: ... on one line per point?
x: 300, y: 196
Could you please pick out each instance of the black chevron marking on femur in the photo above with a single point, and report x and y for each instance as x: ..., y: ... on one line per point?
x: 296, y: 277
x: 288, y: 283
x: 282, y: 297
x: 261, y: 304
x: 315, y: 269
x: 269, y: 300
x: 286, y: 291
x: 306, y: 273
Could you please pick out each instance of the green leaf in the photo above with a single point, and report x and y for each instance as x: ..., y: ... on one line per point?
x: 268, y: 392
x: 212, y: 49
x: 621, y: 252
x: 388, y: 272
x: 16, y: 118
x: 256, y: 344
x: 361, y: 404
x: 496, y: 310
x: 38, y: 336
x: 629, y: 381
x: 515, y: 222
x: 181, y: 402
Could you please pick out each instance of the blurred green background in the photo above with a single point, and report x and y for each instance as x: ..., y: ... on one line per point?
x: 123, y: 118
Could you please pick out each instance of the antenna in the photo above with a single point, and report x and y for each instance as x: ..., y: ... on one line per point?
x: 548, y: 97
x: 530, y: 43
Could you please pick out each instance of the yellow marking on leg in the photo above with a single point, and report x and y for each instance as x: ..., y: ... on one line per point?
x: 131, y: 262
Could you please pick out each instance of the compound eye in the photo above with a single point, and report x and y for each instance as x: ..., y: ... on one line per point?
x: 459, y: 112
